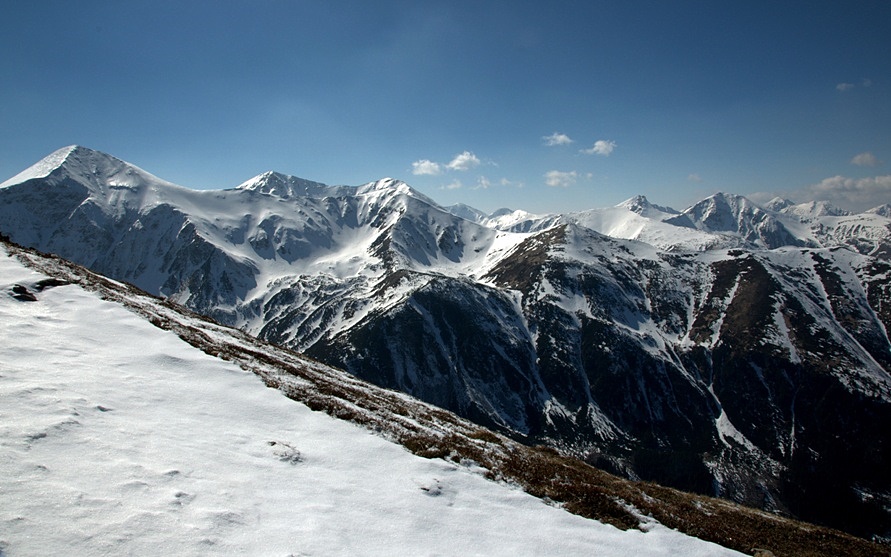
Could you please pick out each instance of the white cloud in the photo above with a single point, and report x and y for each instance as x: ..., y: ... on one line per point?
x: 483, y: 183
x: 454, y: 185
x: 464, y: 161
x: 425, y: 167
x: 510, y: 184
x: 601, y: 147
x: 558, y: 179
x: 866, y: 82
x: 556, y: 138
x: 860, y: 193
x: 694, y: 178
x: 461, y: 162
x: 865, y: 159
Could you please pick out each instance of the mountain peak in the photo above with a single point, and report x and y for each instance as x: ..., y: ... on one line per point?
x: 726, y: 213
x: 881, y: 210
x: 387, y: 183
x: 724, y: 197
x: 395, y: 187
x: 93, y: 169
x: 284, y: 186
x: 722, y: 205
x: 636, y: 201
x: 45, y: 166
x: 641, y: 205
x: 502, y: 212
x: 815, y: 209
x: 467, y: 212
x: 777, y: 204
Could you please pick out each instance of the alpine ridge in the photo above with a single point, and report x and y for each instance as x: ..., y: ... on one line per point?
x: 728, y: 349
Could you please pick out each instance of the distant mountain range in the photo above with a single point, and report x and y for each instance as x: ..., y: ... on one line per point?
x: 731, y: 349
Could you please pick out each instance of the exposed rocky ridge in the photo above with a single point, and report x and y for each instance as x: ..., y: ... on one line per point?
x: 756, y: 374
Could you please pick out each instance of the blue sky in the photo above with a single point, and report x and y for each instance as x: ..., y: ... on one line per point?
x: 553, y: 106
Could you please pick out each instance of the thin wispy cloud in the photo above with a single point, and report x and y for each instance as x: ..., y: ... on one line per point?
x: 601, y: 147
x: 556, y: 139
x: 696, y: 178
x: 865, y: 159
x: 464, y: 161
x: 426, y: 167
x: 453, y: 185
x: 845, y: 86
x: 483, y: 183
x: 510, y: 183
x: 559, y: 179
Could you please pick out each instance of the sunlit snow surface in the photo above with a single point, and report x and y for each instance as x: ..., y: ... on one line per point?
x: 117, y: 438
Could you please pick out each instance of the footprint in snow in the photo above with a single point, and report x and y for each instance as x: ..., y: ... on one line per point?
x: 181, y: 498
x: 438, y: 488
x: 54, y: 429
x: 285, y: 452
x: 433, y: 490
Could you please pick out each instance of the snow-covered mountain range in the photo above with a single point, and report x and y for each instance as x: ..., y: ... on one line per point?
x: 133, y: 426
x: 729, y: 348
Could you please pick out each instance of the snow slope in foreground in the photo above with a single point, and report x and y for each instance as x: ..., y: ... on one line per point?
x: 118, y: 438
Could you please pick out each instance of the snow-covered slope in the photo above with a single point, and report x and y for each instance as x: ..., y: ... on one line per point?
x: 814, y: 210
x: 120, y: 438
x: 638, y: 219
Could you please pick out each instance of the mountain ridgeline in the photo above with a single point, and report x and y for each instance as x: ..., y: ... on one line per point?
x: 729, y: 349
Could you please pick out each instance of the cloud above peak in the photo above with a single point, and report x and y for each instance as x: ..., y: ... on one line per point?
x: 461, y: 162
x: 558, y: 179
x: 426, y: 167
x: 602, y: 147
x: 464, y: 161
x: 865, y: 159
x: 557, y: 138
x: 858, y: 194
